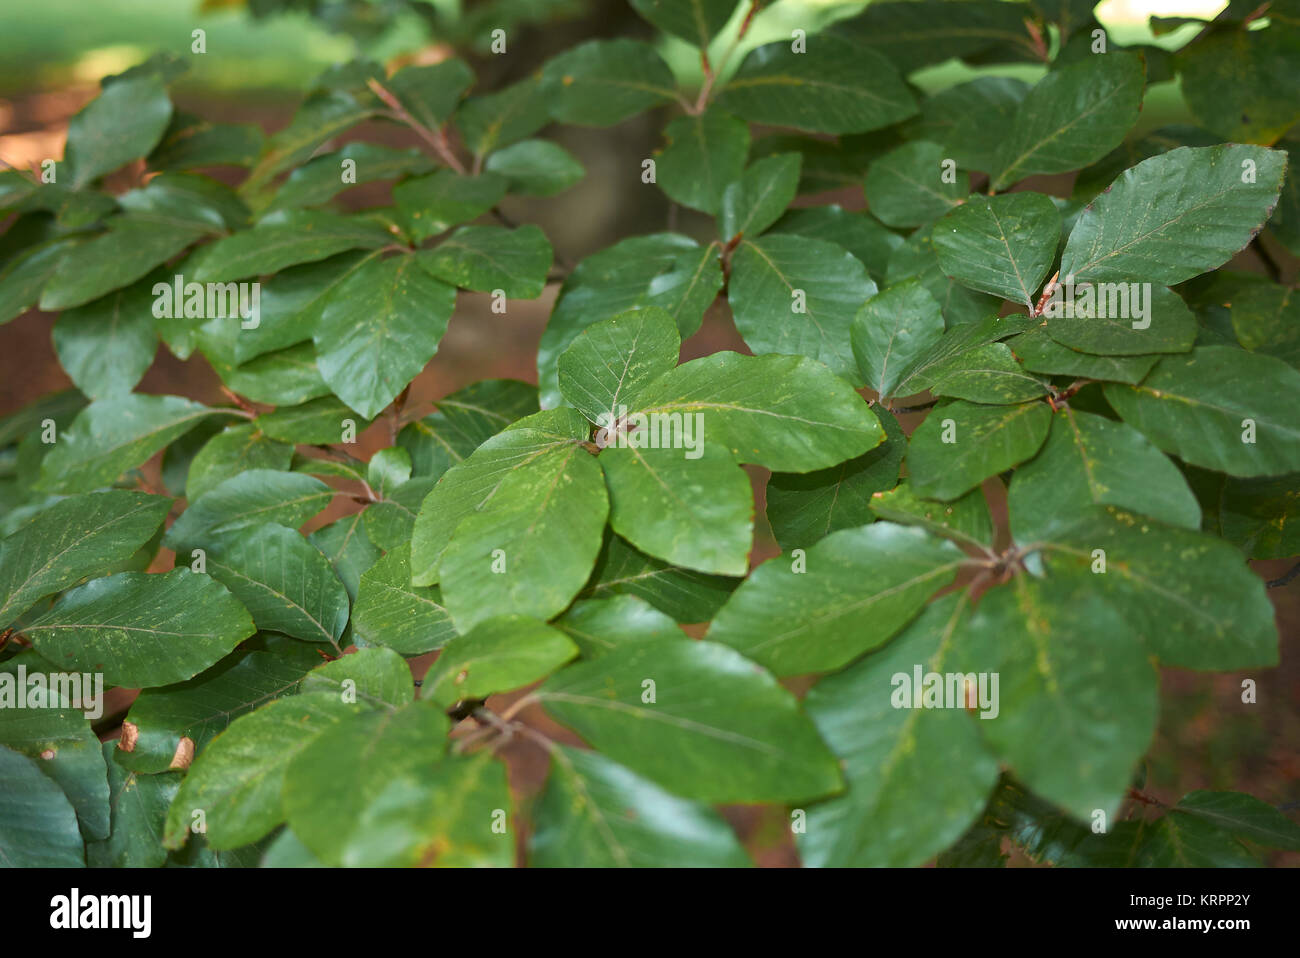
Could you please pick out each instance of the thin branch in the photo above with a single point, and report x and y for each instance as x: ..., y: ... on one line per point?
x: 435, y: 138
x: 1285, y: 577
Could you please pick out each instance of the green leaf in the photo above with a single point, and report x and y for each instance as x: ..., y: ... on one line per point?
x: 983, y: 441
x: 437, y: 815
x: 1002, y: 245
x: 388, y: 469
x: 965, y: 519
x: 191, y: 142
x: 488, y: 258
x: 757, y: 199
x: 546, y: 440
x: 237, y: 781
x: 283, y: 581
x: 662, y: 269
x: 234, y: 450
x: 836, y: 87
x: 488, y: 123
x: 1241, y: 84
x: 128, y: 250
x: 604, y: 368
x: 787, y: 413
x: 1243, y: 816
x: 695, y: 21
x: 319, y: 180
x: 532, y: 547
x: 499, y: 654
x: 917, y: 258
x: 1176, y: 215
x: 1187, y: 842
x: 716, y: 729
x: 391, y: 612
x: 704, y: 153
x: 433, y: 204
x: 287, y: 238
x: 1121, y: 319
x: 75, y: 537
x: 1190, y: 597
x: 203, y: 706
x: 24, y: 276
x: 1220, y: 408
x: 320, y: 422
x: 918, y: 777
x: 110, y: 436
x: 858, y: 233
x: 141, y: 630
x: 38, y: 827
x: 1266, y: 319
x: 379, y: 329
x: 139, y: 808
x: 463, y: 421
x: 45, y: 727
x: 1259, y: 516
x: 1090, y: 460
x: 919, y: 33
x: 971, y: 120
x: 804, y: 507
x: 368, y: 751
x: 1040, y: 353
x: 124, y: 122
x: 378, y: 677
x: 322, y: 116
x: 1078, y: 696
x: 246, y: 500
x: 598, y: 625
x: 595, y: 813
x: 851, y: 592
x: 1072, y: 117
x: 684, y: 595
x: 793, y: 294
x: 987, y: 374
x: 430, y: 93
x: 603, y: 82
x: 892, y: 331
x: 106, y: 346
x: 348, y: 548
x: 907, y: 186
x: 692, y: 507
x: 536, y: 167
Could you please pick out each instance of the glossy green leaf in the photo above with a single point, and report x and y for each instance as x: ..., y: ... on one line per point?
x: 124, y: 122
x: 917, y: 776
x: 804, y: 507
x: 283, y: 581
x: 695, y: 21
x: 38, y: 828
x: 1040, y: 353
x: 111, y: 436
x: 849, y: 593
x: 1176, y: 215
x: 757, y: 198
x: 961, y: 444
x: 965, y: 519
x: 909, y: 186
x: 796, y: 295
x: 1220, y: 408
x: 287, y: 238
x: 603, y: 82
x: 603, y: 369
x: 433, y: 204
x: 1072, y: 117
x: 1002, y: 245
x: 598, y: 625
x: 894, y: 330
x: 536, y: 167
x: 490, y: 258
x: 247, y: 500
x: 987, y: 374
x: 834, y: 87
x: 1121, y: 319
x: 379, y: 329
x: 1089, y: 460
x: 595, y: 813
x: 704, y: 153
x: 499, y: 654
x: 236, y: 783
x: 141, y: 630
x: 710, y: 726
x: 389, y: 611
x: 75, y: 537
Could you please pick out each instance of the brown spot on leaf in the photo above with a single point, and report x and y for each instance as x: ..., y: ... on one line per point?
x: 130, y: 735
x: 184, y: 753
